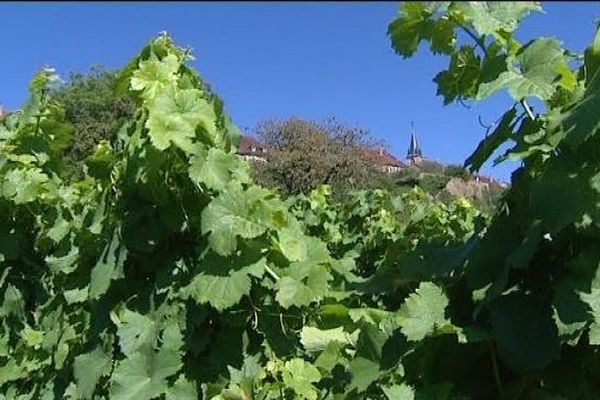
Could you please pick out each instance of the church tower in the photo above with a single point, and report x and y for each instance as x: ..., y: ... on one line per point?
x: 414, y: 154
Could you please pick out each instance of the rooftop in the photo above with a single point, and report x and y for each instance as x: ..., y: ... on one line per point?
x: 250, y: 146
x: 382, y: 157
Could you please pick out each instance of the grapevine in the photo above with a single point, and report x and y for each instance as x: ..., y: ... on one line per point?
x: 165, y: 272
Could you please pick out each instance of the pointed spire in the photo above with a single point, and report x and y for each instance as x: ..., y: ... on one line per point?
x: 414, y: 151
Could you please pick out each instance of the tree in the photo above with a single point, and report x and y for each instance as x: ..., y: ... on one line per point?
x: 457, y: 171
x: 305, y: 154
x: 95, y: 109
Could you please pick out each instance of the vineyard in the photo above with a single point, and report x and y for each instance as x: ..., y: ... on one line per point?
x: 165, y: 272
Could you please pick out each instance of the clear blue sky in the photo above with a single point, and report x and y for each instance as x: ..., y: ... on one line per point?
x: 278, y: 60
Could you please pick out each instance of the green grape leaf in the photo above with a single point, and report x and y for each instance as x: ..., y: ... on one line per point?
x: 135, y: 331
x: 217, y: 168
x: 77, y: 295
x: 300, y: 376
x: 364, y: 372
x: 442, y: 36
x: 223, y: 288
x: 592, y: 58
x: 293, y: 244
x: 399, y: 392
x: 540, y: 64
x: 32, y: 337
x: 13, y: 303
x: 330, y: 356
x: 303, y: 284
x: 524, y: 331
x: 101, y: 162
x: 423, y: 312
x: 59, y: 230
x: 461, y: 78
x: 560, y: 177
x: 570, y: 312
x: 248, y: 375
x: 166, y: 128
x: 64, y: 264
x: 315, y: 339
x: 88, y: 368
x: 109, y: 267
x: 23, y: 185
x: 142, y: 376
x: 182, y: 389
x: 153, y: 75
x: 11, y: 371
x: 235, y: 212
x: 188, y: 104
x: 592, y: 299
x: 495, y: 18
x: 583, y: 120
x: 407, y: 31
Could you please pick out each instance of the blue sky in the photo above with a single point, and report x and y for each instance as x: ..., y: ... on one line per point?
x: 313, y: 60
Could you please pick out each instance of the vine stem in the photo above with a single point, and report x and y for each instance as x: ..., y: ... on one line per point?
x: 272, y: 273
x: 496, y: 371
x: 527, y: 109
x: 479, y: 40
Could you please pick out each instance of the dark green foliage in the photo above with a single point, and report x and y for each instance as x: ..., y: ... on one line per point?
x: 531, y: 278
x: 95, y: 110
x: 456, y: 171
x: 433, y: 183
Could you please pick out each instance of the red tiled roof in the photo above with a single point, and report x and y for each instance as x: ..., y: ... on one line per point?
x: 382, y: 157
x: 250, y: 145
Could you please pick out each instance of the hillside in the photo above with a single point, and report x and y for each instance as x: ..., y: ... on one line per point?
x: 443, y: 182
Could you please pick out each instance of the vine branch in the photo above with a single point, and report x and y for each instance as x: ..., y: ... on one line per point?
x: 527, y: 109
x: 496, y: 371
x: 479, y: 40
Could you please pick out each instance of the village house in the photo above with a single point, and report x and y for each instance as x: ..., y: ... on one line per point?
x: 252, y: 150
x: 383, y: 160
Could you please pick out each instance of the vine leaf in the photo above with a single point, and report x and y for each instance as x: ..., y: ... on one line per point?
x: 399, y: 392
x: 461, y: 78
x: 217, y: 168
x: 221, y: 287
x: 153, y: 75
x: 533, y: 72
x: 109, y: 267
x: 524, y: 331
x: 300, y: 376
x: 303, y: 283
x: 315, y: 339
x: 235, y: 212
x: 407, y: 32
x: 88, y: 368
x: 495, y: 18
x: 423, y: 312
x: 142, y: 376
x: 182, y: 389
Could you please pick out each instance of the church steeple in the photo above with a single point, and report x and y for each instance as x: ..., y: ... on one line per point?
x: 414, y: 151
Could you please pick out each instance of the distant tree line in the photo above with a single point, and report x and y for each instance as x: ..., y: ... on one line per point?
x: 303, y: 154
